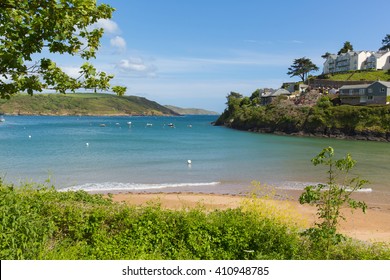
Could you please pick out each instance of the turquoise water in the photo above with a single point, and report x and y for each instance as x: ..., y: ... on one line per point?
x: 79, y: 153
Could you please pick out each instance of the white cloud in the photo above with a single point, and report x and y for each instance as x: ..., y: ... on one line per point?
x: 108, y: 25
x: 73, y: 72
x: 136, y: 66
x: 118, y: 42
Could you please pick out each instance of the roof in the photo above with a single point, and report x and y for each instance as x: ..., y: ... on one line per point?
x: 278, y: 92
x: 355, y: 86
x: 386, y: 84
x: 382, y: 52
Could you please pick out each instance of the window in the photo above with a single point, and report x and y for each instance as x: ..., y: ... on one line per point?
x: 361, y: 91
x: 370, y: 90
x: 370, y: 97
x: 383, y: 89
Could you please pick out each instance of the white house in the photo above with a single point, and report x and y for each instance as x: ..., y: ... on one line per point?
x: 330, y: 64
x: 379, y: 60
x: 357, y: 60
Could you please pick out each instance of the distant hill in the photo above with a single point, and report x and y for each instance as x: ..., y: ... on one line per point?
x: 81, y: 104
x: 190, y: 111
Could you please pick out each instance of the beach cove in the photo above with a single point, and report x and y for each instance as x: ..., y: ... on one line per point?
x: 150, y: 157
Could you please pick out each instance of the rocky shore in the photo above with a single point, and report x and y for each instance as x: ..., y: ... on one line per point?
x: 337, y: 134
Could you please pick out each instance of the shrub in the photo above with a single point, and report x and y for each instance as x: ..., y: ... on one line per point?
x: 330, y: 197
x: 38, y: 222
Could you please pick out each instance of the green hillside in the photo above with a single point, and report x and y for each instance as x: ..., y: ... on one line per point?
x: 324, y: 118
x: 190, y: 111
x: 81, y: 104
x: 358, y: 76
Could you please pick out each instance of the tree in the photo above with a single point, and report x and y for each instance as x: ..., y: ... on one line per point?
x: 385, y: 43
x: 94, y: 79
x: 233, y: 101
x: 27, y: 27
x: 330, y: 197
x: 326, y: 55
x: 301, y: 67
x: 120, y: 91
x: 255, y: 97
x: 346, y: 48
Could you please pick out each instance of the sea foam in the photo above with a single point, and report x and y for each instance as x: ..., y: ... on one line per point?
x: 116, y: 186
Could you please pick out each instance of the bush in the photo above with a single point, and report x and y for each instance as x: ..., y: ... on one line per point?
x: 330, y: 197
x: 38, y: 222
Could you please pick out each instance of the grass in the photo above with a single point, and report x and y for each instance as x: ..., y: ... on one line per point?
x: 361, y: 76
x: 81, y: 104
x: 38, y: 222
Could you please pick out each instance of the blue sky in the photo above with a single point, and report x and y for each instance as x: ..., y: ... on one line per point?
x: 192, y: 53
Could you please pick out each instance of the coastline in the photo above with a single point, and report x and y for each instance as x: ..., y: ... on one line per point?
x: 337, y: 134
x: 373, y: 226
x: 89, y: 115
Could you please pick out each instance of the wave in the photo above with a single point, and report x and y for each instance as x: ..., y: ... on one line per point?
x: 302, y: 185
x: 116, y: 186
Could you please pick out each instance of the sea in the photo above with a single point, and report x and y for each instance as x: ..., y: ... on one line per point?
x: 174, y: 154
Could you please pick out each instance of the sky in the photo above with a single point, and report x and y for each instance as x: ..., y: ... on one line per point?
x: 193, y: 53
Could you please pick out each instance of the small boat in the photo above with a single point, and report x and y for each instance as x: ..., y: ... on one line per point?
x: 171, y: 125
x: 102, y: 125
x: 2, y: 120
x: 149, y: 124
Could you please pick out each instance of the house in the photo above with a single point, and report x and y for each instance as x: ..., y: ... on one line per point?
x: 269, y: 96
x: 290, y: 86
x: 330, y: 64
x: 379, y: 60
x: 357, y: 60
x: 365, y: 94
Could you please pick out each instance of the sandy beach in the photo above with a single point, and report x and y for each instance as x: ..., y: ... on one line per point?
x: 374, y: 225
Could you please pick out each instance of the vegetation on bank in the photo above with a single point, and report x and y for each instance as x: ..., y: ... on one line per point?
x: 42, y: 223
x: 322, y: 119
x: 329, y: 198
x: 81, y: 104
x: 362, y: 75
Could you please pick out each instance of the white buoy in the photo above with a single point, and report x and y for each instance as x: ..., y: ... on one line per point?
x: 87, y: 144
x: 189, y: 161
x: 29, y: 136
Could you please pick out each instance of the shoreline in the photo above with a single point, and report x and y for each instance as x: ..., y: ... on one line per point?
x: 88, y: 115
x: 373, y: 226
x: 363, y: 136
